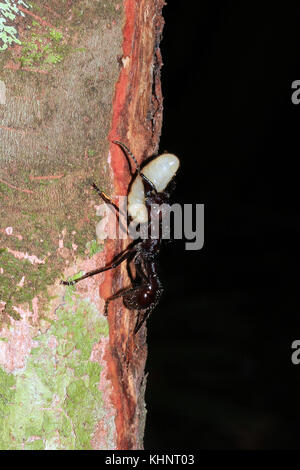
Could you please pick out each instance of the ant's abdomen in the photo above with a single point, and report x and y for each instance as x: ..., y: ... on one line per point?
x: 141, y: 298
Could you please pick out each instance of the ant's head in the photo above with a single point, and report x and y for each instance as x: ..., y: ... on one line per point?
x: 151, y: 185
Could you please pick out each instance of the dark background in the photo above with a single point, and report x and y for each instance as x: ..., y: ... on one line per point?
x: 220, y: 370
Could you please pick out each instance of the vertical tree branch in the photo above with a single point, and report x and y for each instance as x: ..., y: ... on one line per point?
x: 76, y: 77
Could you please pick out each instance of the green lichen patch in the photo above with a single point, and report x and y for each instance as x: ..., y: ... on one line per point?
x: 36, y: 277
x: 37, y: 444
x: 42, y: 46
x: 94, y: 247
x: 9, y: 11
x: 55, y: 403
x: 46, y: 225
x: 7, y: 391
x: 70, y: 290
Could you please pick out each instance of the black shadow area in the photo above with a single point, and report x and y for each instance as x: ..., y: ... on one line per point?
x: 220, y: 370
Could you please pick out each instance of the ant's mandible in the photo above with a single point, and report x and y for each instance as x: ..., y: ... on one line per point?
x: 149, y: 187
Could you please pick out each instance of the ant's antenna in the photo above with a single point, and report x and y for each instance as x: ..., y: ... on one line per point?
x: 129, y: 153
x: 136, y: 164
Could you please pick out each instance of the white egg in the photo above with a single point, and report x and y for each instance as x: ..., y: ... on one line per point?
x: 138, y: 211
x: 160, y: 172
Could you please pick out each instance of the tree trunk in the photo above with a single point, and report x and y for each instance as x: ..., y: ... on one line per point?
x: 74, y: 76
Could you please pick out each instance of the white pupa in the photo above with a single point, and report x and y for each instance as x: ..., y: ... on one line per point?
x: 160, y: 172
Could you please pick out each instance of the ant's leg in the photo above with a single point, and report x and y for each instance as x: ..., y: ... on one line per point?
x: 110, y: 202
x: 117, y: 296
x: 139, y: 322
x: 118, y: 260
x: 139, y: 274
x: 146, y: 315
x: 129, y: 273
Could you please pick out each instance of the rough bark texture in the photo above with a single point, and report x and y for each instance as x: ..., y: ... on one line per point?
x: 74, y: 75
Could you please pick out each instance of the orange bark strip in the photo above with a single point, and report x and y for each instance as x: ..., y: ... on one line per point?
x: 36, y: 17
x: 13, y: 66
x: 15, y: 187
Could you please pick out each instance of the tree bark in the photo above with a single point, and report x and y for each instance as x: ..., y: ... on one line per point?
x: 74, y: 76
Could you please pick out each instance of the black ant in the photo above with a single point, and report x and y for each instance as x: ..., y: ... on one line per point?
x: 148, y: 188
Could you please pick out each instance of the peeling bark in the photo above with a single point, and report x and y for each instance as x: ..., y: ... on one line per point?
x: 137, y: 121
x: 79, y: 75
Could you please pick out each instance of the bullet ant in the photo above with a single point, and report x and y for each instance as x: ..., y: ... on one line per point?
x: 149, y: 187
